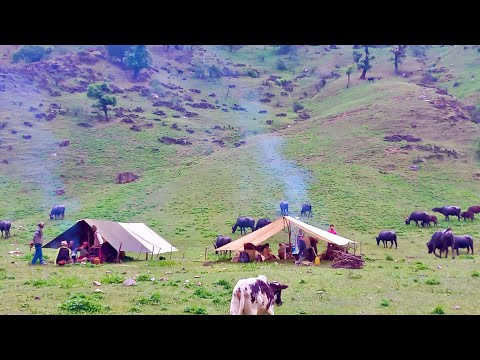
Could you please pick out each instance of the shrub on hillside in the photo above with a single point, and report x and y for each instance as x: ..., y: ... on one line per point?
x: 297, y: 106
x: 31, y: 53
x: 83, y: 304
x: 117, y: 52
x: 285, y: 49
x: 281, y: 65
x: 418, y: 51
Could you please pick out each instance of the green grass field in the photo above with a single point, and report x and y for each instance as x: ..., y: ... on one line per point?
x: 337, y: 159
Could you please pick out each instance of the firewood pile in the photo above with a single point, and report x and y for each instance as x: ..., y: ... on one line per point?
x: 348, y: 261
x: 329, y: 253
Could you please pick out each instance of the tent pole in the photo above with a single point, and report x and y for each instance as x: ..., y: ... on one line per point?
x: 138, y: 258
x: 289, y: 240
x: 206, y: 247
x: 118, y: 253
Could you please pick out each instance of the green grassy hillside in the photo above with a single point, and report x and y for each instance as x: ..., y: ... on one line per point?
x: 336, y: 158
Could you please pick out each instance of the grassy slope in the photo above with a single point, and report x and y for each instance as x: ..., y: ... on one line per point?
x: 190, y: 198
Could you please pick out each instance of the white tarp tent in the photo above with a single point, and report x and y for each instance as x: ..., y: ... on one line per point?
x: 148, y: 238
x: 262, y: 234
x: 134, y: 237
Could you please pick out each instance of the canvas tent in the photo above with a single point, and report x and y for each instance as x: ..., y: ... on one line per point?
x: 135, y: 237
x: 285, y: 222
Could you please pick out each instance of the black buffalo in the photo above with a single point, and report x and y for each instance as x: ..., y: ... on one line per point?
x: 441, y: 240
x: 261, y: 223
x: 385, y: 236
x: 462, y: 242
x: 284, y: 208
x: 5, y: 225
x: 448, y: 210
x: 244, y: 222
x: 418, y: 216
x: 57, y: 211
x: 221, y: 240
x: 306, y: 208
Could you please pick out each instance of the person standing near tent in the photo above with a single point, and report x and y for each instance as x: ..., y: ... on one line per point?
x: 97, y: 242
x: 332, y: 229
x: 38, y: 242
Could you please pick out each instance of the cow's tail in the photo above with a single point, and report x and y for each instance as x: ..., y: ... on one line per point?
x: 241, y: 305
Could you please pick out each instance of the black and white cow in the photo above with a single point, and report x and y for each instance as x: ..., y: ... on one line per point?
x: 256, y: 296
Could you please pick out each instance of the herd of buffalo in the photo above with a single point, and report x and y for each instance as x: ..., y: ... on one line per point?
x: 440, y: 240
x: 58, y: 211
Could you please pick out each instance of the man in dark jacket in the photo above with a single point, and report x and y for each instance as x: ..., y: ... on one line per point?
x: 38, y: 242
x: 63, y: 254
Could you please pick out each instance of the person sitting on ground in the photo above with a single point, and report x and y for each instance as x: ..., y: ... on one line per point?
x: 63, y: 254
x: 74, y: 249
x: 109, y: 254
x: 83, y: 252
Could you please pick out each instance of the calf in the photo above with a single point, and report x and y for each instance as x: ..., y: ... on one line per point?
x: 256, y: 296
x: 474, y: 209
x: 462, y: 242
x: 467, y: 215
x: 433, y: 219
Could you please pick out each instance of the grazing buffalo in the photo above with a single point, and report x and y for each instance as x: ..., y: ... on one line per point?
x: 5, y: 225
x: 57, y: 211
x: 244, y: 222
x: 433, y: 219
x: 474, y: 209
x: 441, y: 240
x: 385, y: 236
x: 221, y: 240
x: 306, y: 208
x: 256, y: 296
x: 261, y: 223
x: 284, y: 208
x: 418, y: 216
x: 448, y: 210
x: 462, y: 242
x: 467, y: 215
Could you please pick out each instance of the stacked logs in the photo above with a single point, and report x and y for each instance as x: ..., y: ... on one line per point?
x: 329, y: 253
x: 347, y: 261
